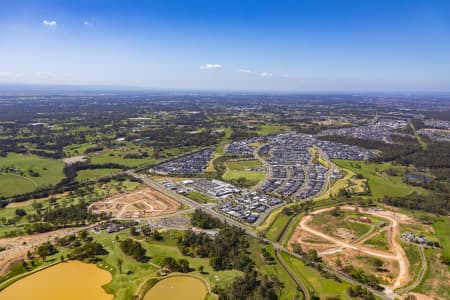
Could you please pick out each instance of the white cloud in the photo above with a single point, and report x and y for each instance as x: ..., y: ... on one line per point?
x: 245, y: 70
x: 49, y: 23
x: 210, y: 66
x: 266, y: 74
x: 86, y: 23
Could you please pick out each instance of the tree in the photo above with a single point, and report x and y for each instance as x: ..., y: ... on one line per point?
x: 157, y: 236
x: 200, y: 269
x: 83, y: 235
x: 297, y: 248
x: 20, y: 212
x: 119, y: 265
x: 46, y: 250
x: 133, y: 231
x: 313, y: 255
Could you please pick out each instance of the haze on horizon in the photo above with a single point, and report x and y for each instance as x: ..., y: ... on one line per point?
x: 380, y: 45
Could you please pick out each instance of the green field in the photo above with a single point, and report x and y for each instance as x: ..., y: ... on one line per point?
x: 199, y: 197
x: 415, y: 263
x: 378, y: 241
x: 328, y: 223
x: 380, y: 183
x: 322, y: 287
x: 84, y: 175
x: 117, y: 157
x: 442, y: 228
x: 13, y: 185
x: 434, y: 282
x: 76, y: 150
x: 277, y: 226
x: 241, y: 169
x: 50, y: 173
x: 271, y: 129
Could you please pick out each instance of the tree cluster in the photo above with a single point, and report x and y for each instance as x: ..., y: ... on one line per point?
x: 434, y: 203
x: 173, y: 265
x: 134, y: 249
x: 203, y: 220
x: 228, y: 250
x: 251, y: 286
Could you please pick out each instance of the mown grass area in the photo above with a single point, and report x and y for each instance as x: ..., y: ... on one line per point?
x: 442, y: 229
x: 321, y: 286
x: 415, y: 263
x: 378, y: 241
x: 76, y: 149
x: 13, y: 185
x: 50, y: 172
x: 117, y: 157
x: 380, y: 183
x: 125, y: 285
x: 434, y: 282
x: 200, y: 198
x: 84, y: 175
x: 267, y: 129
x: 275, y: 229
x: 242, y: 169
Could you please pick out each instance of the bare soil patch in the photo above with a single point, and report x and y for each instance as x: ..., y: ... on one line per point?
x: 143, y: 203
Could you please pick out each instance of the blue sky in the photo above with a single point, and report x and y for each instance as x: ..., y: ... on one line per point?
x: 314, y: 45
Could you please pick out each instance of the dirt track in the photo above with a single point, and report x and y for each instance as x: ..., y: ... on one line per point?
x: 399, y: 254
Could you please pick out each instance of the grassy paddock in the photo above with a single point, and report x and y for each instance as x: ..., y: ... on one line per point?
x: 242, y: 169
x: 380, y: 183
x: 200, y: 198
x: 85, y: 175
x: 442, y: 229
x: 322, y: 287
x: 50, y: 173
x: 277, y: 226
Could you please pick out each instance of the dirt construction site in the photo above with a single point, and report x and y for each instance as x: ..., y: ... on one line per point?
x: 143, y: 203
x: 335, y: 243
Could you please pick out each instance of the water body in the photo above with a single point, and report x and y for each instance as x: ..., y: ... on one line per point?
x: 178, y: 287
x: 73, y: 280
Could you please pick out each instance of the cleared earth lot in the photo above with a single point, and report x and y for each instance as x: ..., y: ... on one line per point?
x: 142, y: 203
